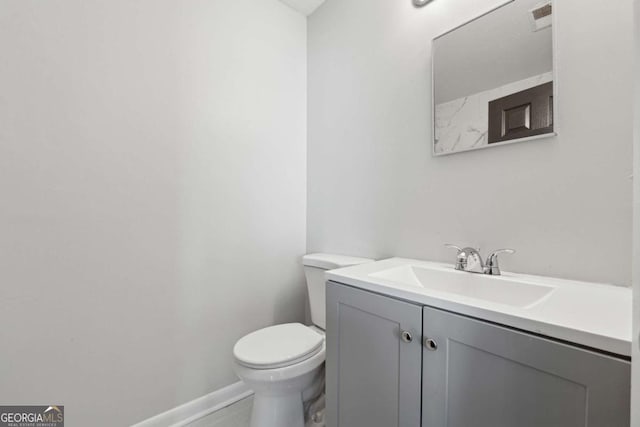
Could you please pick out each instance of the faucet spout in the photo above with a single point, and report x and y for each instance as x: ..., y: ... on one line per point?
x: 468, y: 259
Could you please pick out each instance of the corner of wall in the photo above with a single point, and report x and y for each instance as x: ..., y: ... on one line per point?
x: 635, y: 265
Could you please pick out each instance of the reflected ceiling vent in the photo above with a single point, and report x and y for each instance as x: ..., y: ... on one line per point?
x: 541, y: 16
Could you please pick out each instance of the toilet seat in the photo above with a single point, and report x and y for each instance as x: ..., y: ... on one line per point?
x: 278, y: 346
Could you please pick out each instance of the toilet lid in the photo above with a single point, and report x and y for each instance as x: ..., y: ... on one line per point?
x: 277, y: 346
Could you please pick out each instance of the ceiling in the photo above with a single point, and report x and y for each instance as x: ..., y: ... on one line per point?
x: 306, y: 7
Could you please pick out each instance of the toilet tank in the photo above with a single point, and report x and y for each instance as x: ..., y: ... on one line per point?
x: 314, y: 267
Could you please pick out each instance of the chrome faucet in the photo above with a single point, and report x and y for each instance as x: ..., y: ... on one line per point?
x: 469, y: 259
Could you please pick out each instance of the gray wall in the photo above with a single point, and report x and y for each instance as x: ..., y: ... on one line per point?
x: 152, y: 173
x: 374, y: 189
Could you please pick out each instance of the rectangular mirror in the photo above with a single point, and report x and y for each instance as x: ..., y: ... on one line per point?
x: 493, y: 79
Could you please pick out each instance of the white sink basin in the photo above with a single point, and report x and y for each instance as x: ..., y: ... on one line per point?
x: 497, y: 289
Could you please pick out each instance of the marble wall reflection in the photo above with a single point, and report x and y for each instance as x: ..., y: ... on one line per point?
x: 463, y: 123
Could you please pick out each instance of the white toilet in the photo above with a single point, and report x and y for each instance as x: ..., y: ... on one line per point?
x: 284, y: 364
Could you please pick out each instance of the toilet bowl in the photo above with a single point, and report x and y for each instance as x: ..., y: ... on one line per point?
x: 284, y: 364
x: 280, y: 385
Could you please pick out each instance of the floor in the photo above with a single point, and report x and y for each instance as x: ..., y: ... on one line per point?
x: 236, y: 415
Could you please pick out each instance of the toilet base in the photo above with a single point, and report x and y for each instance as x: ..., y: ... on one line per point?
x: 277, y: 411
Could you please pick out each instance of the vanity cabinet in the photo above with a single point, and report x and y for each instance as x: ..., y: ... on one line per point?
x: 456, y: 371
x: 374, y: 359
x: 476, y: 373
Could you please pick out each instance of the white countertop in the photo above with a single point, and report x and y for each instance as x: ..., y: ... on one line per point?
x: 590, y: 314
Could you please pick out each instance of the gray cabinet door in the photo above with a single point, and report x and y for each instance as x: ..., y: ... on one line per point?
x: 373, y: 375
x: 483, y: 375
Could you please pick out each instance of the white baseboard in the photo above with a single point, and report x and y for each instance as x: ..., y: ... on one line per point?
x: 189, y: 412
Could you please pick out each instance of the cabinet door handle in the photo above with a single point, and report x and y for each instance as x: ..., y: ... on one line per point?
x: 430, y: 344
x: 406, y: 336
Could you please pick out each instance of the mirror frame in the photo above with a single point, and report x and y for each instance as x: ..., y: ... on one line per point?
x: 554, y: 70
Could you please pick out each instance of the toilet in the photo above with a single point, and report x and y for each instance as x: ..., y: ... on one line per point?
x: 284, y: 364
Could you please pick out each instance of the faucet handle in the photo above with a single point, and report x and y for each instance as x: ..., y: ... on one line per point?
x: 491, y: 266
x: 460, y: 261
